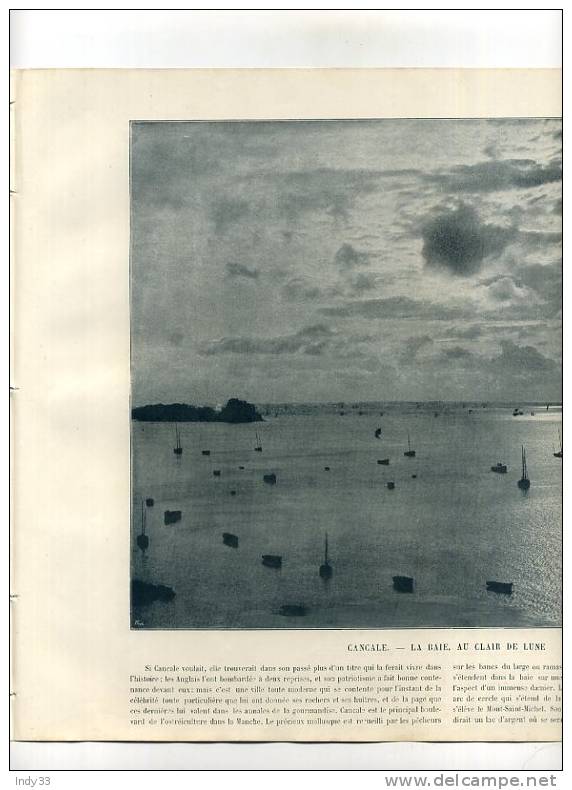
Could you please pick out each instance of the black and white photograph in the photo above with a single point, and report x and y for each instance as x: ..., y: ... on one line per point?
x: 346, y: 376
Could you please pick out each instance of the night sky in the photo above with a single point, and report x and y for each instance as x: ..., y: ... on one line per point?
x: 346, y: 260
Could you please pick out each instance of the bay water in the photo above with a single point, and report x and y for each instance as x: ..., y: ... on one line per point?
x: 450, y: 522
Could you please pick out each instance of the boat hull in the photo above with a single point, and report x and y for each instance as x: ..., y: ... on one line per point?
x: 271, y: 561
x: 403, y: 584
x: 505, y: 588
x: 292, y: 610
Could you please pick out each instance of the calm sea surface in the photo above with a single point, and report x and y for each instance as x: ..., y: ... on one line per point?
x: 453, y: 527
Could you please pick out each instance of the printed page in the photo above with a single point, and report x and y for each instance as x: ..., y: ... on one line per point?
x: 288, y: 411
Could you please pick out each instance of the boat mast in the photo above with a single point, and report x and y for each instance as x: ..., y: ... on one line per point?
x: 408, y: 441
x: 326, y: 551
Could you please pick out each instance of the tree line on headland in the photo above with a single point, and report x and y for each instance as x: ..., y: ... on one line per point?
x: 235, y: 411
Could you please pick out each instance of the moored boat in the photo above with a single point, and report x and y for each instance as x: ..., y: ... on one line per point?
x: 500, y: 587
x: 272, y: 560
x: 409, y: 453
x: 293, y: 610
x: 326, y: 569
x: 178, y: 449
x: 403, y: 584
x: 142, y: 538
x: 524, y: 482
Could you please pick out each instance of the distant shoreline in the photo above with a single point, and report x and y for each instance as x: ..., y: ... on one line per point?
x: 235, y: 411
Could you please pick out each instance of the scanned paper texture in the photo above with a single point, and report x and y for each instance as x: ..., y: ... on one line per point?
x: 287, y: 358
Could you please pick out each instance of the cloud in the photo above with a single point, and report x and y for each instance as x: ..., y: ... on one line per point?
x: 458, y: 354
x: 522, y: 359
x: 457, y: 241
x: 239, y: 270
x: 540, y: 238
x: 393, y: 307
x: 300, y: 289
x: 176, y: 338
x: 362, y: 282
x: 494, y: 175
x: 513, y: 360
x: 413, y: 345
x: 334, y: 191
x: 504, y: 289
x: 310, y: 340
x: 163, y: 160
x: 465, y: 333
x: 225, y: 211
x: 531, y: 291
x: 347, y: 257
x: 546, y: 280
x: 322, y: 189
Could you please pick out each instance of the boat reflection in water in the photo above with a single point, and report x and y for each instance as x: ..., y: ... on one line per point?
x: 524, y: 482
x: 326, y: 569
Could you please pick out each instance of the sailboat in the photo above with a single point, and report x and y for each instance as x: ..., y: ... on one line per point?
x: 409, y: 452
x: 143, y: 539
x: 178, y: 450
x: 326, y: 569
x: 258, y: 447
x: 377, y: 433
x: 558, y: 454
x: 524, y: 482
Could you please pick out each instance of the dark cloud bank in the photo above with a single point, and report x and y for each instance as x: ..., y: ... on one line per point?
x: 309, y: 340
x: 496, y: 175
x: 394, y: 307
x: 458, y: 242
x: 239, y: 270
